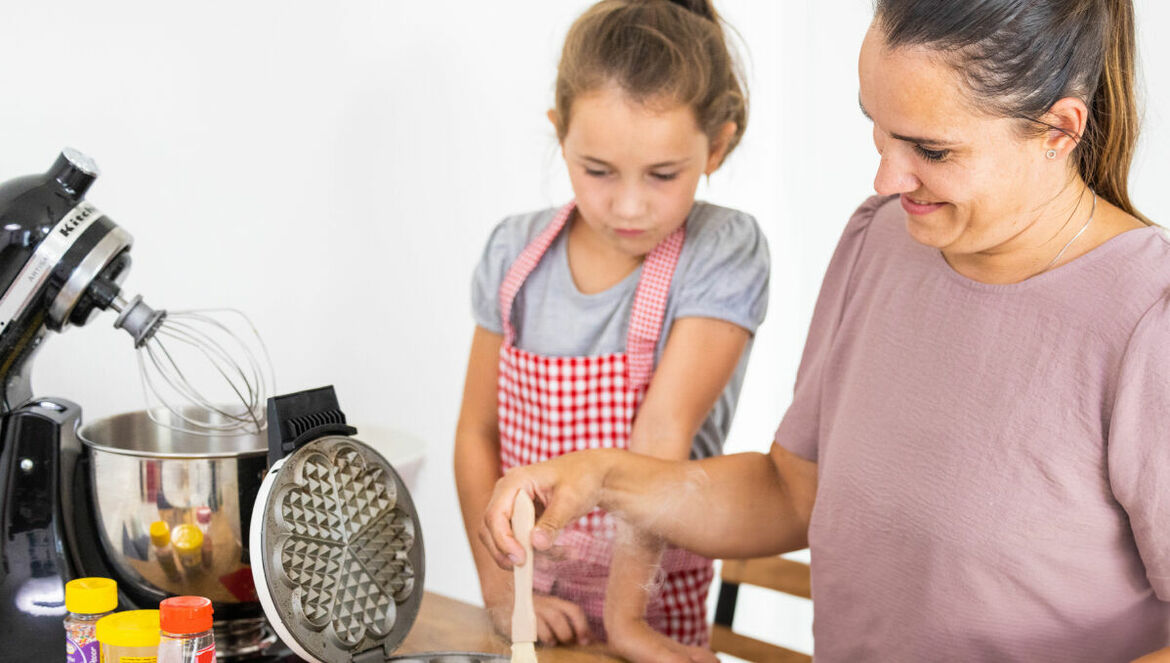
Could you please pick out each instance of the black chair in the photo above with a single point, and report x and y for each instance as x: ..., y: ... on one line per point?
x: 776, y: 573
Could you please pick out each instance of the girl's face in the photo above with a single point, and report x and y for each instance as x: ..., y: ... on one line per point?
x: 634, y: 167
x: 969, y: 182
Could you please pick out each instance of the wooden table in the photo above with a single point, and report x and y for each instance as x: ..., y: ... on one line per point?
x: 445, y: 624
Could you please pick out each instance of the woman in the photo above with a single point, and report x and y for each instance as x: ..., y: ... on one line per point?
x: 979, y: 442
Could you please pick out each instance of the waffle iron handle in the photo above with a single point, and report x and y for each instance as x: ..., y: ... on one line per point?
x: 298, y: 418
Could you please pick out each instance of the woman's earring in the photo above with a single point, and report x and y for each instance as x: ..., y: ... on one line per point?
x: 1051, y: 154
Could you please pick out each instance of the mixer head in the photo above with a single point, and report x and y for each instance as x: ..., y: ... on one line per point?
x: 62, y: 260
x: 213, y: 359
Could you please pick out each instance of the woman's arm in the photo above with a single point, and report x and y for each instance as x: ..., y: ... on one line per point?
x: 737, y: 506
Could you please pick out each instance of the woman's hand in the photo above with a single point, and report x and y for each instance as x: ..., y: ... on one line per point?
x: 1160, y: 656
x: 635, y: 641
x: 557, y: 621
x: 568, y: 486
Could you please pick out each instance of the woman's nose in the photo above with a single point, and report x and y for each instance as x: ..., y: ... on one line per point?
x: 893, y: 176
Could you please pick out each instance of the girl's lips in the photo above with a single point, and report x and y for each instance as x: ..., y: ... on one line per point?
x: 625, y: 232
x: 918, y: 209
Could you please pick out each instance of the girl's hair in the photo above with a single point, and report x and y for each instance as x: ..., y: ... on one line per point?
x: 1019, y: 57
x: 655, y: 51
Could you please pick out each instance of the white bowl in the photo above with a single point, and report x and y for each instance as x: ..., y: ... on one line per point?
x: 404, y: 451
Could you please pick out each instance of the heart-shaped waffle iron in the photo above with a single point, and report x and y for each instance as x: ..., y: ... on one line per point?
x: 339, y: 567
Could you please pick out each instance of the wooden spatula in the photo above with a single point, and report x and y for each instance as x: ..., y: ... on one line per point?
x: 523, y: 613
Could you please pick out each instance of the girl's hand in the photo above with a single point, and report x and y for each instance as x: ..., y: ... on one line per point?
x: 635, y: 641
x: 557, y: 621
x: 560, y: 622
x: 568, y: 486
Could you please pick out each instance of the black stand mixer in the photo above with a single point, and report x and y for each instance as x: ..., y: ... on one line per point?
x: 62, y: 261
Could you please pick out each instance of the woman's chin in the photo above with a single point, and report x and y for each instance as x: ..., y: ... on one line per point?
x: 935, y: 232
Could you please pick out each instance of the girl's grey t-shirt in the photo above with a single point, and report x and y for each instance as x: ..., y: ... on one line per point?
x: 722, y: 273
x: 993, y: 461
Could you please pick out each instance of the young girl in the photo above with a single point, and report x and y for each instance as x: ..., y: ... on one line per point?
x: 622, y: 319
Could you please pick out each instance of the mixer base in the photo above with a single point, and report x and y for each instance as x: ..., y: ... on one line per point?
x: 250, y: 641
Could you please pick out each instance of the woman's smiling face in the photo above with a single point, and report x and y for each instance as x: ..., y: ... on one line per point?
x: 970, y: 181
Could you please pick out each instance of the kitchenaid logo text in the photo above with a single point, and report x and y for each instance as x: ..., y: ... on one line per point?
x: 79, y: 217
x: 48, y: 253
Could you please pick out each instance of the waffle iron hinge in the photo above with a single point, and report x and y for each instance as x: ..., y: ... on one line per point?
x: 298, y: 418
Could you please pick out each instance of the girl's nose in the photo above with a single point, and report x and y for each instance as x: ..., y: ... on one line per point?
x: 893, y: 176
x: 629, y: 201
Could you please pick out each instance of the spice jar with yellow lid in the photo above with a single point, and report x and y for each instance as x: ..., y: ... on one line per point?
x: 160, y: 540
x: 87, y: 600
x: 187, y: 541
x: 129, y: 637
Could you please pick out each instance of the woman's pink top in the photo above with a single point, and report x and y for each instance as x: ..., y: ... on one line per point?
x: 993, y: 460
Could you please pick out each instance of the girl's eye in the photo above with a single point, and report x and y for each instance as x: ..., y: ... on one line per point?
x: 593, y: 172
x: 664, y: 177
x: 931, y: 155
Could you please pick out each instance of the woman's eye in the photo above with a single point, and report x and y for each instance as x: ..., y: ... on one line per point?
x: 664, y: 177
x: 931, y: 155
x: 593, y: 172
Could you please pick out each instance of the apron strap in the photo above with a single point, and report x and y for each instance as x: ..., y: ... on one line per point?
x: 523, y: 266
x: 649, y: 297
x: 650, y: 307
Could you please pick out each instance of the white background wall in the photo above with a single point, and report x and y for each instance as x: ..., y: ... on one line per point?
x: 334, y: 168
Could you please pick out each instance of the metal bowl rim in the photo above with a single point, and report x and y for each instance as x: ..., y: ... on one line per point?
x: 84, y: 432
x: 171, y: 456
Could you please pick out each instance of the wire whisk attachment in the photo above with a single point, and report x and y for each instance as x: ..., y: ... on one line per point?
x: 213, y: 359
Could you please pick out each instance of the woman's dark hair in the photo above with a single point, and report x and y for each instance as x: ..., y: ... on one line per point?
x: 1019, y: 57
x: 654, y: 50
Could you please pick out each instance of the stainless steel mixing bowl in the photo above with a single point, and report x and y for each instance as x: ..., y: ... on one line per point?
x: 173, y: 507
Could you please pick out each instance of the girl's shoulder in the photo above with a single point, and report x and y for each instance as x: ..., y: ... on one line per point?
x: 520, y: 229
x: 724, y: 268
x: 507, y: 240
x: 718, y: 236
x: 510, y: 235
x: 721, y: 240
x: 710, y: 221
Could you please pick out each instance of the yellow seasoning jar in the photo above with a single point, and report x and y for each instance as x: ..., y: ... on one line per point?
x: 87, y: 600
x: 129, y: 637
x: 160, y: 538
x: 187, y: 541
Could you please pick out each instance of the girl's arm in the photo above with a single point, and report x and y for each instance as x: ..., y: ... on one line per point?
x: 477, y: 453
x: 700, y: 357
x: 477, y: 467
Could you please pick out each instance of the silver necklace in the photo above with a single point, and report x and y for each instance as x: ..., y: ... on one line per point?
x: 1064, y: 248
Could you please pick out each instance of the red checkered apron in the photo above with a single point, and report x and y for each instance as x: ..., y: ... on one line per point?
x: 550, y: 406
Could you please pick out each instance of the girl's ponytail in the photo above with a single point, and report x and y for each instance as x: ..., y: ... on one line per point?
x: 703, y: 8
